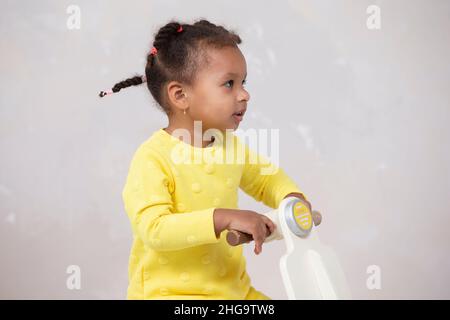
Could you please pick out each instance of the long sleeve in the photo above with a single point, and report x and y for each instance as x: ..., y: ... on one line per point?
x: 149, y: 206
x: 264, y: 181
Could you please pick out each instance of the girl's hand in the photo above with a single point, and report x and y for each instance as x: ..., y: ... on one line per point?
x: 316, y: 215
x: 251, y: 222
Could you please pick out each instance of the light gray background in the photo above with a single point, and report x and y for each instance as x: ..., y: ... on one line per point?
x: 363, y: 125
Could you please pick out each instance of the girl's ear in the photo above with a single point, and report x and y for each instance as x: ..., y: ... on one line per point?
x: 177, y: 95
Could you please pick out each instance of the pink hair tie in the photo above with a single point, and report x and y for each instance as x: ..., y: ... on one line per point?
x: 104, y: 93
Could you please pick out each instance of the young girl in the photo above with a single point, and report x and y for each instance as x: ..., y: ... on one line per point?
x: 178, y: 209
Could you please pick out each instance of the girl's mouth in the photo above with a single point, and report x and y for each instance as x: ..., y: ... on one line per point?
x: 238, y: 116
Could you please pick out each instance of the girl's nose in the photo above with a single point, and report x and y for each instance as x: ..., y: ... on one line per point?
x: 245, y: 95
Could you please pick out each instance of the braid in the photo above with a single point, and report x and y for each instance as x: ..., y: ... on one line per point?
x: 166, y: 34
x: 134, y: 81
x: 179, y: 52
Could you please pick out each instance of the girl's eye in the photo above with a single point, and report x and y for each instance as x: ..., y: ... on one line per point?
x: 231, y: 81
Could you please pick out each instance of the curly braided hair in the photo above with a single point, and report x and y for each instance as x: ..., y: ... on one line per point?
x: 179, y: 51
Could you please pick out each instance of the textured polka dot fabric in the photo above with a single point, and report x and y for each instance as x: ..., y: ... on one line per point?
x: 170, y: 195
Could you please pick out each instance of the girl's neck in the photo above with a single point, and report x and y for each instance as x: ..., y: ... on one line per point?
x: 171, y: 127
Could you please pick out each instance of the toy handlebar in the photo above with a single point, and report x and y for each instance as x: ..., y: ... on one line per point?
x: 298, y: 218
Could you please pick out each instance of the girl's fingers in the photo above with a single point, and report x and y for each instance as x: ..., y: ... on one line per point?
x: 269, y: 231
x: 257, y: 248
x: 271, y: 227
x: 270, y: 224
x: 258, y: 242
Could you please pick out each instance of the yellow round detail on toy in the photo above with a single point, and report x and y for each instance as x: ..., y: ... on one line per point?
x: 302, y: 216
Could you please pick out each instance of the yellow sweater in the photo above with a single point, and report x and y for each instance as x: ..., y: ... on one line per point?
x: 170, y: 202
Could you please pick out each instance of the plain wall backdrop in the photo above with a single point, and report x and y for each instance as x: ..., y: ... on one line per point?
x: 362, y: 113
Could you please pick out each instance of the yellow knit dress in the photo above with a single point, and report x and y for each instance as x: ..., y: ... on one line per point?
x: 170, y: 194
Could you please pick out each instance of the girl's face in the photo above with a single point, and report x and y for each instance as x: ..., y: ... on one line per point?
x: 219, y: 92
